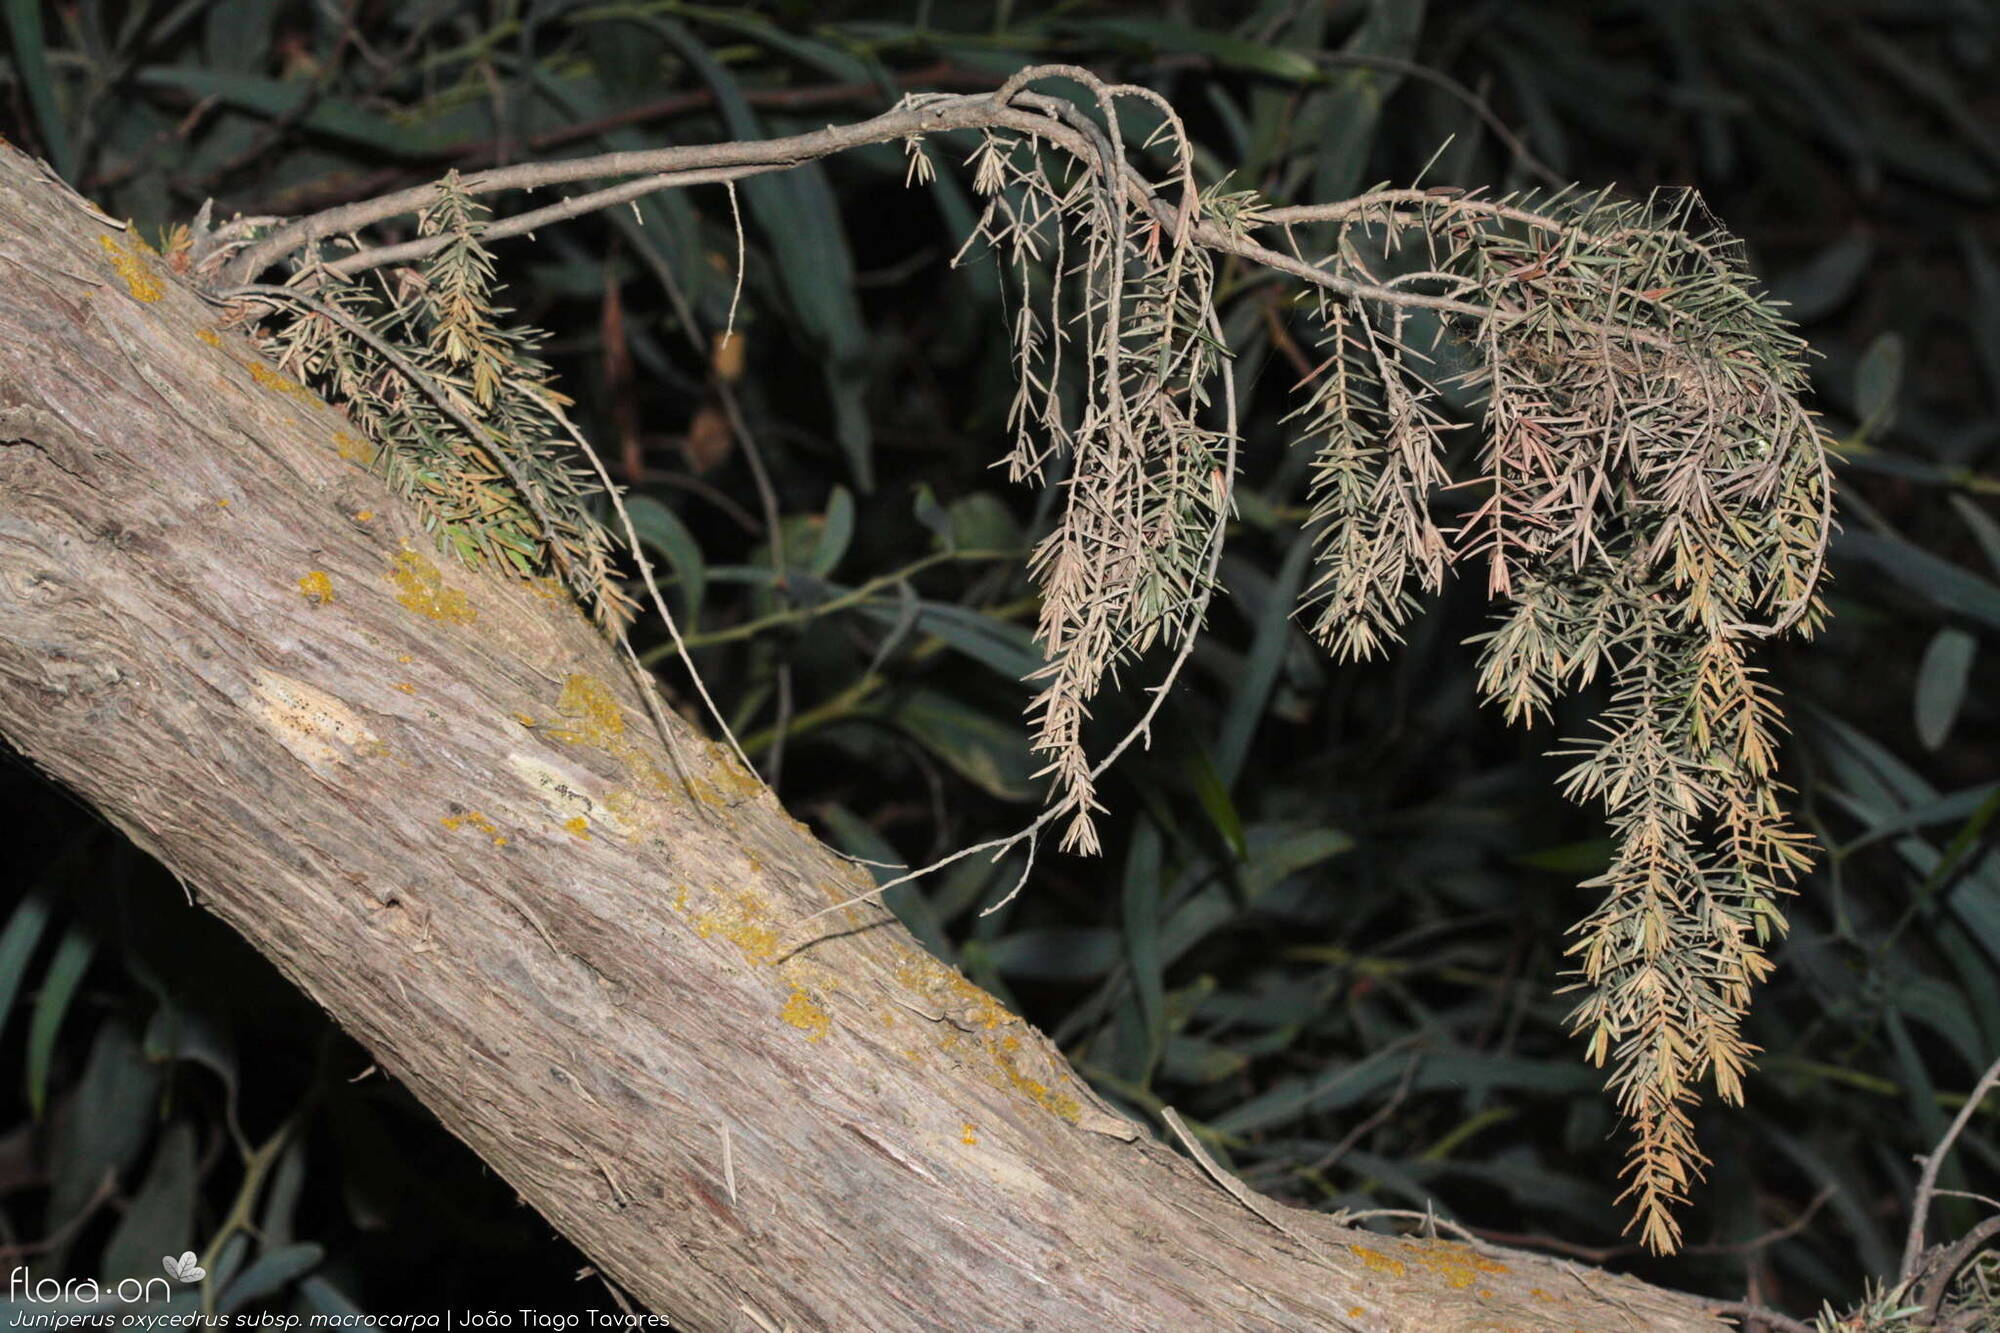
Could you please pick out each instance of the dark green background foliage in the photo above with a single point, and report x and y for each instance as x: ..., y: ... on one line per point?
x: 1329, y: 921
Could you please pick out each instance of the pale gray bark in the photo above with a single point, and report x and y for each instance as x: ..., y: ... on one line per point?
x: 436, y: 802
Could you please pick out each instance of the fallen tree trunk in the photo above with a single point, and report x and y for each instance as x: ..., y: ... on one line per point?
x: 438, y: 803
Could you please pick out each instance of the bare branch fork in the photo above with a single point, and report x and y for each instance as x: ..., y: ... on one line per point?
x: 712, y: 164
x: 1651, y: 499
x: 1926, y: 1191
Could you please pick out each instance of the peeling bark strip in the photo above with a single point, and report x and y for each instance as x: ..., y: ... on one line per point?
x: 436, y: 802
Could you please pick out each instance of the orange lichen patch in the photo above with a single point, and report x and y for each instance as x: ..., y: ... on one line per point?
x: 1007, y: 1055
x: 967, y: 1136
x: 420, y: 587
x: 474, y: 819
x: 745, y: 921
x: 979, y: 1028
x: 592, y: 716
x: 363, y: 515
x: 728, y: 776
x: 945, y: 988
x: 353, y: 448
x: 316, y: 587
x: 406, y: 687
x: 209, y: 336
x: 222, y: 504
x: 1356, y: 1312
x: 1458, y: 1264
x: 129, y: 262
x: 708, y: 793
x: 593, y: 712
x: 1378, y: 1261
x: 626, y: 809
x: 578, y: 827
x: 284, y: 384
x: 802, y: 1013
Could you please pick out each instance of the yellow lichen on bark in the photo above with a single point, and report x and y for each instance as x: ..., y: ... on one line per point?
x: 978, y: 1026
x: 745, y: 921
x: 476, y: 820
x: 284, y: 384
x: 1378, y: 1261
x: 808, y: 1017
x: 421, y: 588
x: 316, y: 587
x: 129, y: 262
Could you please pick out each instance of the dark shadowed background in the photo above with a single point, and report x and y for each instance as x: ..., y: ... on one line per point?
x: 1329, y: 921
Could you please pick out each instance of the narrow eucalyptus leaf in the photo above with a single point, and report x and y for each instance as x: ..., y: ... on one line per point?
x: 1941, y: 682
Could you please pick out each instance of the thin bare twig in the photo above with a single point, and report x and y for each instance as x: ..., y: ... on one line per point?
x: 1472, y: 101
x: 1920, y: 1202
x: 523, y: 224
x: 1944, y: 1267
x: 1745, y: 1310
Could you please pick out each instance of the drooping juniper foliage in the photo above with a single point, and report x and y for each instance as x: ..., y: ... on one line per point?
x: 1653, y: 500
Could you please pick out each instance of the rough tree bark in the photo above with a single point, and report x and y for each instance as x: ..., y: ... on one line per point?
x: 437, y: 803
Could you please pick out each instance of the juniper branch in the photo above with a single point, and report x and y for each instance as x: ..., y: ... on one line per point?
x: 936, y: 114
x: 417, y: 380
x: 1651, y: 498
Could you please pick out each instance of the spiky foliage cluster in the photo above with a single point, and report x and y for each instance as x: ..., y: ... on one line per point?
x: 1937, y: 1300
x: 1652, y: 500
x: 1130, y: 560
x: 1380, y: 457
x: 468, y: 425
